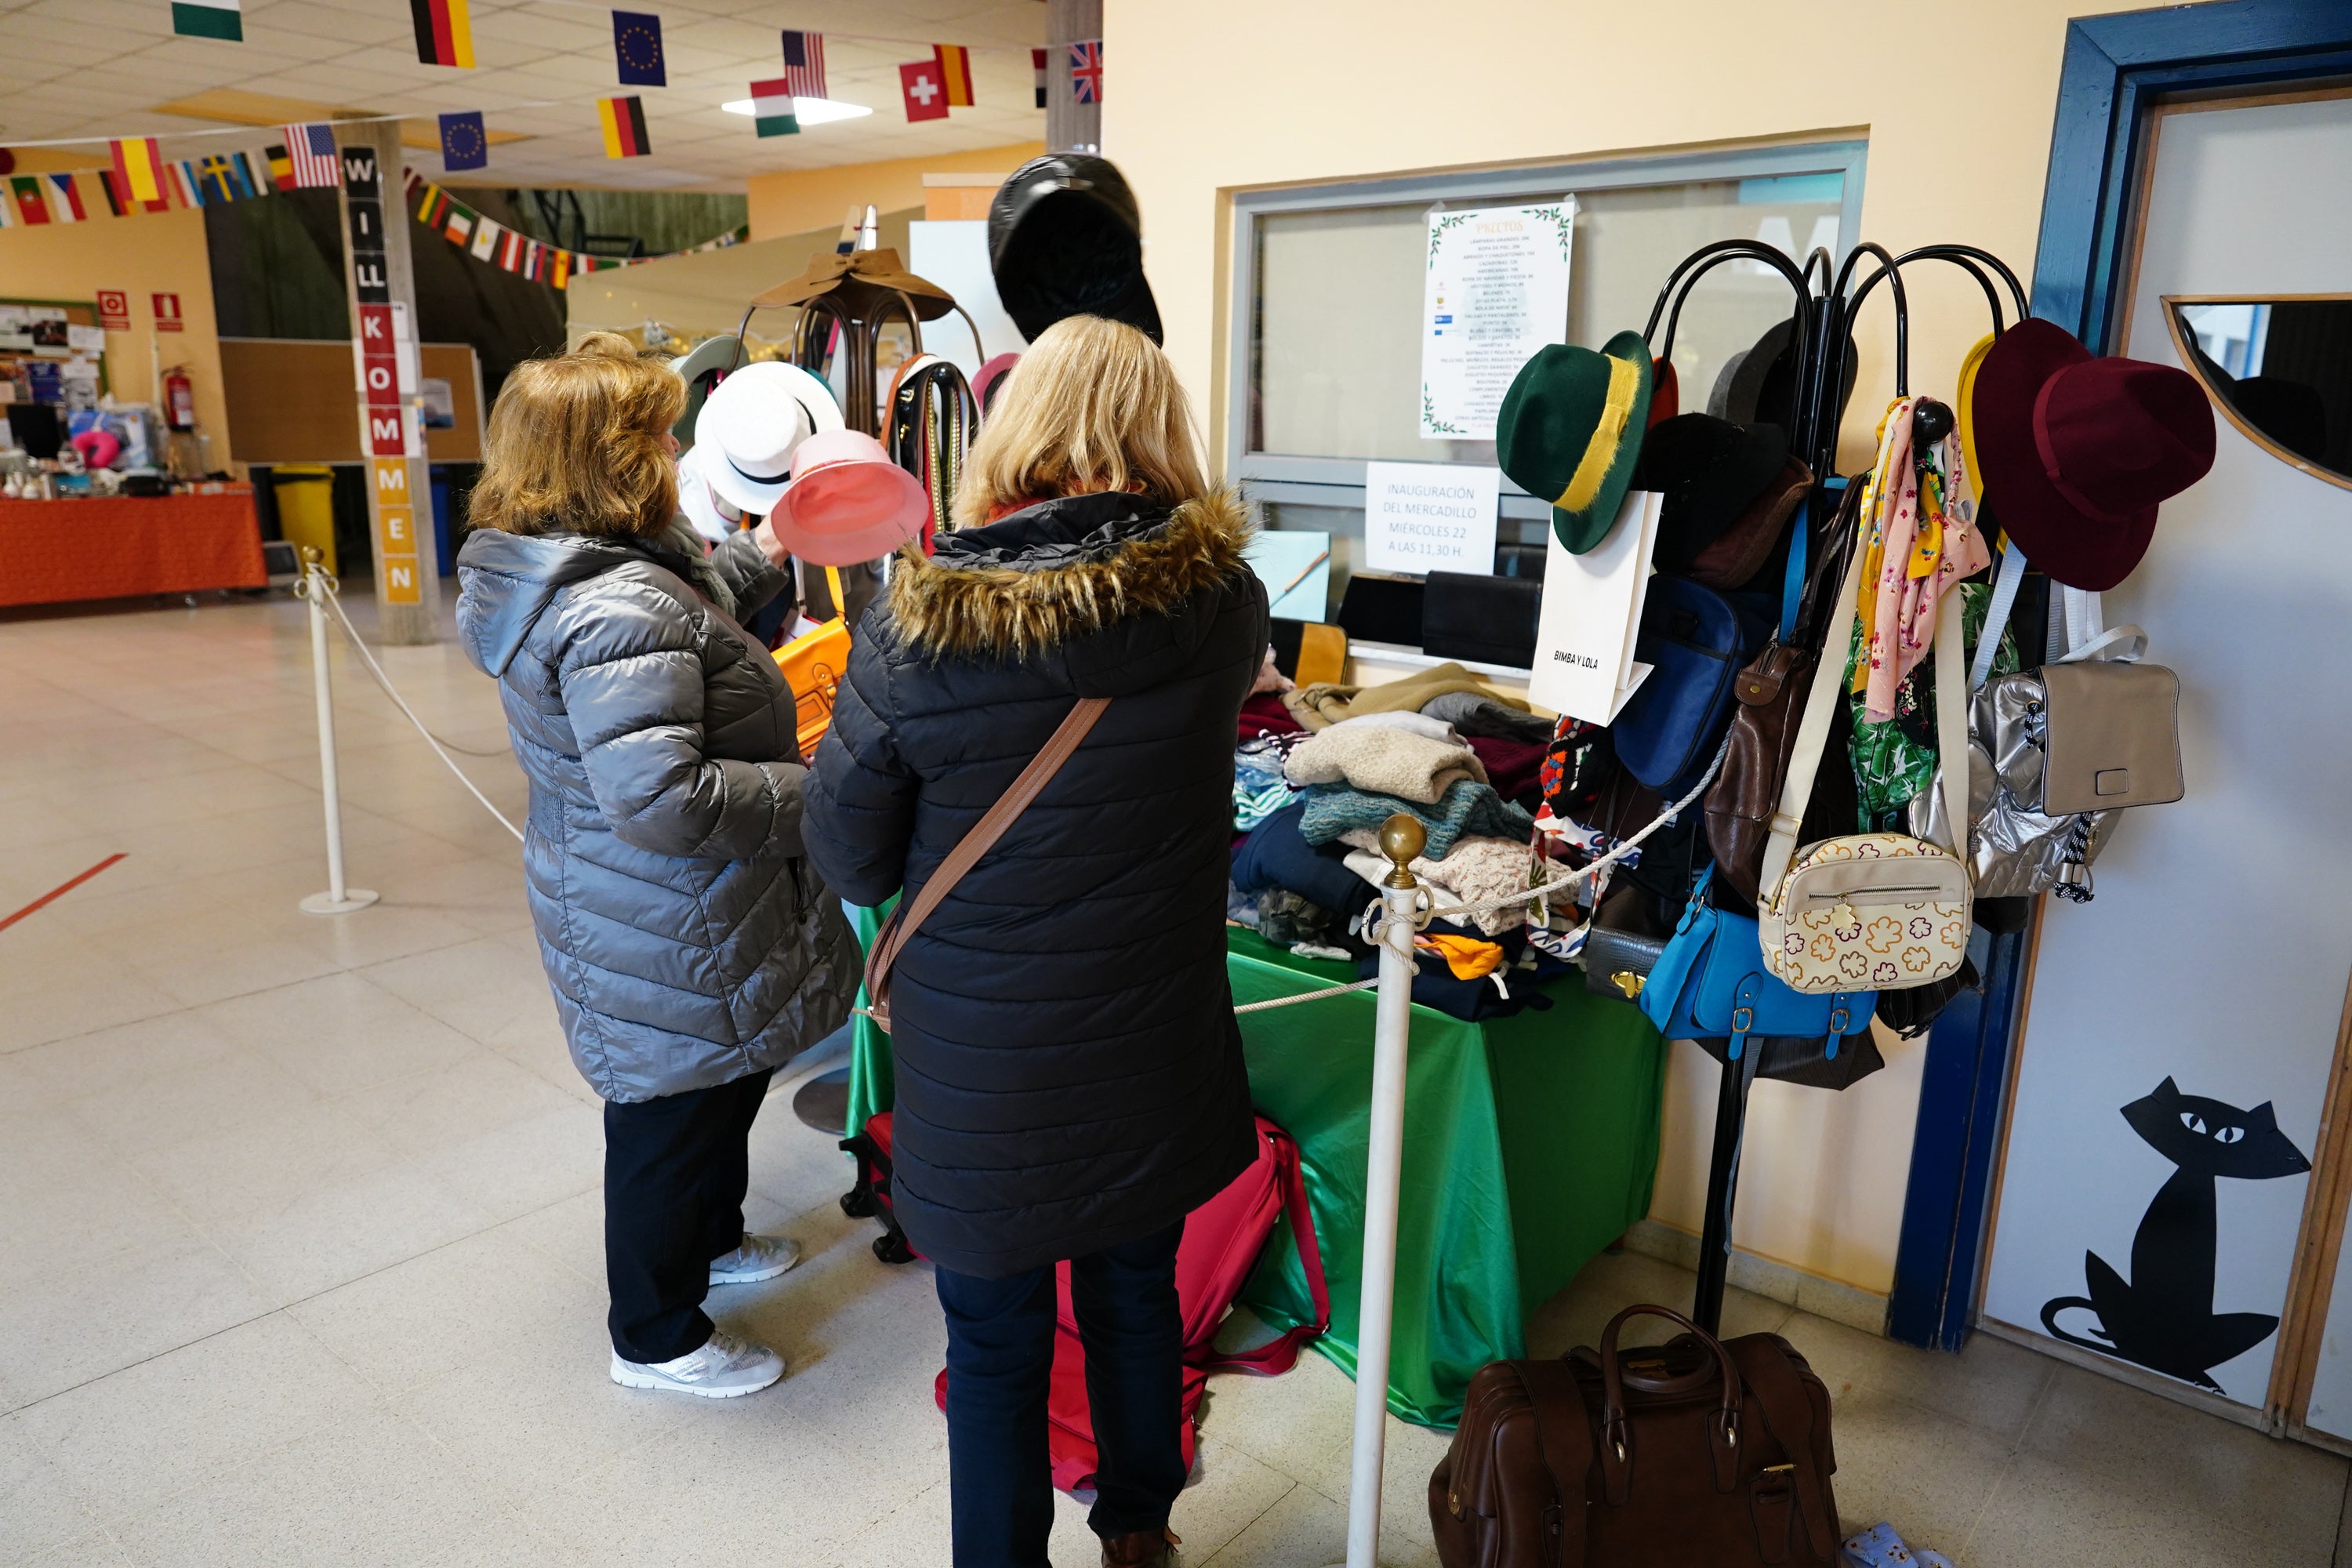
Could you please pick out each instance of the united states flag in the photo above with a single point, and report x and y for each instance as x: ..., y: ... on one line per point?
x: 310, y: 150
x: 804, y: 63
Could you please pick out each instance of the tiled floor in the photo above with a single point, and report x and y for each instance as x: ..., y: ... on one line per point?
x: 300, y: 1255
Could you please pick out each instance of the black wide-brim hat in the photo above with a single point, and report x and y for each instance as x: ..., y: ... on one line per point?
x: 1710, y: 470
x: 1065, y: 238
x: 2077, y: 450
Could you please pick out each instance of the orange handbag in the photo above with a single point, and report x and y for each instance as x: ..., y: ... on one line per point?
x: 813, y: 664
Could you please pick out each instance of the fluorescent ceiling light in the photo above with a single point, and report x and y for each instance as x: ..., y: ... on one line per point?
x: 807, y: 110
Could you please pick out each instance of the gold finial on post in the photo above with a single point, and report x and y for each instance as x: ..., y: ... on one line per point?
x: 312, y: 554
x: 1402, y: 838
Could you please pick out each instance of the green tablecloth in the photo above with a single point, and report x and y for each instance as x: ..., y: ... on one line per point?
x: 1530, y: 1143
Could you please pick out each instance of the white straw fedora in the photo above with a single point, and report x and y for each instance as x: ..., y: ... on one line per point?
x: 708, y: 515
x: 754, y: 421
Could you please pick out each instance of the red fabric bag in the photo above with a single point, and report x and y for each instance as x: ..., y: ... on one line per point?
x: 1223, y: 1240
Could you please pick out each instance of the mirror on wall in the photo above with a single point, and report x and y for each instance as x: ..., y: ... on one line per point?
x: 2281, y: 370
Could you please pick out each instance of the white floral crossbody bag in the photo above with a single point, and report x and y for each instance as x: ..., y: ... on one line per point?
x: 1880, y: 911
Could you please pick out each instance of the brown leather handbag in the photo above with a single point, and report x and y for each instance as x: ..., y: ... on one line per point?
x: 1771, y: 693
x: 904, y: 920
x: 1698, y: 1453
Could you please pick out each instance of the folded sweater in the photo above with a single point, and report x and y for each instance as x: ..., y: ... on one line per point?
x: 1326, y: 703
x: 1474, y: 869
x: 1382, y: 760
x: 1467, y: 810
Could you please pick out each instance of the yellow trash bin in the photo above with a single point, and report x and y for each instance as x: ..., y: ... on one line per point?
x: 306, y: 506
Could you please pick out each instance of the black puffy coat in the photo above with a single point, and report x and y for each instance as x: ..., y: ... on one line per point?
x: 1069, y: 1073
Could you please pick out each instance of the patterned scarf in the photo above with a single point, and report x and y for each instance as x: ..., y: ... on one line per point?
x: 1920, y: 536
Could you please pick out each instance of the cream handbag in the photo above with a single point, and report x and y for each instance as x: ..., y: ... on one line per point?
x: 1879, y: 911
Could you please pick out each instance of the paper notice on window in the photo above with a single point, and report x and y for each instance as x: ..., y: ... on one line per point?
x: 1592, y: 613
x: 1430, y: 517
x: 1496, y: 291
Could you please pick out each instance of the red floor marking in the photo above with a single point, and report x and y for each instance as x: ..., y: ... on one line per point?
x: 60, y: 892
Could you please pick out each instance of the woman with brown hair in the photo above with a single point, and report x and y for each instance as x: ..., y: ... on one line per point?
x: 1068, y: 1072
x: 691, y: 947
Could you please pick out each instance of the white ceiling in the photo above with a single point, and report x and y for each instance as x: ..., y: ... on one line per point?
x: 98, y: 68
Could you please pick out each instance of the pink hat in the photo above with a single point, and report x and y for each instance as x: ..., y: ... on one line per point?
x: 848, y: 501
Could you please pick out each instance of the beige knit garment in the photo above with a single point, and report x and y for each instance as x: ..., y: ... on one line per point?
x: 1477, y: 868
x: 1326, y: 703
x: 1382, y: 761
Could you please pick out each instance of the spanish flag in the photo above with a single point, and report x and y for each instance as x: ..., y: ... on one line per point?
x: 624, y: 127
x: 445, y: 32
x: 955, y: 70
x: 139, y: 174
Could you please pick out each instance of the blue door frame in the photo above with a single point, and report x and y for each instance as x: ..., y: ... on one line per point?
x: 2116, y: 69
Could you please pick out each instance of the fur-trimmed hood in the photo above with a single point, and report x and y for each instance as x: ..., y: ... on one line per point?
x: 1062, y: 569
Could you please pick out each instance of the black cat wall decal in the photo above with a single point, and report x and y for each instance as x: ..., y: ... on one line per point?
x: 2164, y: 1318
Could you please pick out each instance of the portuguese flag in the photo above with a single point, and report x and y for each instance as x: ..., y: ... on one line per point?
x: 208, y: 19
x: 624, y: 127
x: 772, y: 108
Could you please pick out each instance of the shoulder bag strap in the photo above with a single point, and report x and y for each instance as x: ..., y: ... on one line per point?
x: 1279, y: 1354
x: 905, y: 919
x: 1780, y: 1397
x: 1952, y: 720
x: 1566, y: 1443
x: 1812, y: 733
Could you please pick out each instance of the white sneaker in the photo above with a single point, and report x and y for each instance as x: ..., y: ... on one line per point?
x: 724, y: 1368
x: 759, y: 1258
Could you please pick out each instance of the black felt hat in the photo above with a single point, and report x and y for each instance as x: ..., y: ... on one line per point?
x: 1710, y: 470
x: 1065, y: 238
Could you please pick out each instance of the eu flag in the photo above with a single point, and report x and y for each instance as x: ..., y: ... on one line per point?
x: 464, y: 143
x: 636, y: 48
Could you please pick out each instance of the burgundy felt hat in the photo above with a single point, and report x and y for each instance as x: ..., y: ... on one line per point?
x: 2077, y: 451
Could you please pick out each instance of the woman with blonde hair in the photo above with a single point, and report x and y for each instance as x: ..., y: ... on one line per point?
x: 691, y: 948
x: 1069, y: 1075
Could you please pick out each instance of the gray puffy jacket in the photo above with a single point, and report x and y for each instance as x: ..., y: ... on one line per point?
x: 687, y: 940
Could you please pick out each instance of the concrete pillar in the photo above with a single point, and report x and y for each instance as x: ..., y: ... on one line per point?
x: 380, y: 283
x: 1071, y: 126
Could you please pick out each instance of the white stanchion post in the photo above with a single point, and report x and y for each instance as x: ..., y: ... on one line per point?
x: 339, y: 898
x: 1402, y: 838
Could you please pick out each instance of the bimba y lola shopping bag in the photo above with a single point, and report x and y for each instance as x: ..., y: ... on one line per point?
x: 1881, y: 912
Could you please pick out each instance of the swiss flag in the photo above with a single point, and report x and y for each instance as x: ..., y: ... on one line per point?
x: 926, y: 90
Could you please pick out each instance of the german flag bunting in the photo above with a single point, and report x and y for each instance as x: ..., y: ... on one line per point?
x: 624, y: 120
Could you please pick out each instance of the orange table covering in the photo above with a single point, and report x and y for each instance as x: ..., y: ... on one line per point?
x: 53, y: 551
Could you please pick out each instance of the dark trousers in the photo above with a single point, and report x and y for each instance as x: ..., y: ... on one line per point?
x: 1000, y: 1362
x: 676, y: 1170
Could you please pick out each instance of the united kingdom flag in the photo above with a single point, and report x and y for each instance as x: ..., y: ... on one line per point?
x: 1085, y: 71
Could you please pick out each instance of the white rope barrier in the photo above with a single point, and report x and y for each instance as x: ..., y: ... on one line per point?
x: 334, y: 599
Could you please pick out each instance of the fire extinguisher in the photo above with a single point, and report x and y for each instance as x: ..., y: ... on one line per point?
x: 179, y: 399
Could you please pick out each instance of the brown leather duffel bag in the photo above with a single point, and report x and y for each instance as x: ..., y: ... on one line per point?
x: 1697, y: 1452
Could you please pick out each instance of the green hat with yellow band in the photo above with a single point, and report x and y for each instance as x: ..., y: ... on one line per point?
x: 1571, y: 428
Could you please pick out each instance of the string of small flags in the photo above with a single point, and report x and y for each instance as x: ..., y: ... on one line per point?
x: 487, y: 239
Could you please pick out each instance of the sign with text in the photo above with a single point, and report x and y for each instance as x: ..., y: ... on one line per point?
x: 1495, y: 292
x: 395, y: 528
x: 1591, y: 615
x: 1430, y: 517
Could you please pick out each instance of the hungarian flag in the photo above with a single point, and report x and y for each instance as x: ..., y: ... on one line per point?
x: 1037, y: 64
x: 637, y: 49
x: 445, y: 32
x: 65, y: 199
x: 465, y: 144
x: 624, y: 121
x: 927, y: 96
x: 772, y: 108
x: 139, y: 174
x: 31, y: 199
x: 804, y: 64
x: 208, y: 19
x: 955, y: 70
